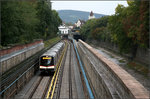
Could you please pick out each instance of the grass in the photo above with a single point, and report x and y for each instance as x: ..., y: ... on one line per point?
x: 51, y: 41
x: 122, y: 61
x: 111, y: 56
x: 1, y: 46
x: 144, y: 70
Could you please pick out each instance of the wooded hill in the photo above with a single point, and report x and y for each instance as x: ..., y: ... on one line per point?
x: 73, y: 15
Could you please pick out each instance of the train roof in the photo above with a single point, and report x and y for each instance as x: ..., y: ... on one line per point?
x: 53, y: 50
x: 49, y: 54
x: 58, y: 45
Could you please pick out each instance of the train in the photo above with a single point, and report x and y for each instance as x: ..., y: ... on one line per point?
x: 48, y: 60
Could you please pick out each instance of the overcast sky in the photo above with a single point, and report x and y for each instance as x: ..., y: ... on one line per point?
x: 101, y: 7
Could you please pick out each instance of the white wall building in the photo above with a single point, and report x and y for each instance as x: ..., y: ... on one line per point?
x: 79, y: 23
x: 63, y: 29
x: 70, y: 27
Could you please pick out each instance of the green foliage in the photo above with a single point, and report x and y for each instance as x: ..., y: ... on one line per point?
x: 56, y: 20
x: 128, y: 27
x: 96, y: 29
x: 86, y: 29
x: 23, y: 21
x: 118, y: 35
x: 49, y: 42
x: 18, y: 22
x: 49, y: 20
x: 44, y: 16
x: 140, y: 68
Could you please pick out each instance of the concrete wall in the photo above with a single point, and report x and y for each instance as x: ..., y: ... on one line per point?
x: 13, y: 57
x: 17, y: 47
x: 19, y: 84
x: 107, y: 79
x: 142, y: 55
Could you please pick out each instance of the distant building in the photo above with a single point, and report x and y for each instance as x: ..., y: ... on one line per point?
x: 70, y: 27
x: 91, y: 16
x: 63, y: 29
x: 79, y: 23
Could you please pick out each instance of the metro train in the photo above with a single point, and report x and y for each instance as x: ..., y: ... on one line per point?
x: 48, y: 61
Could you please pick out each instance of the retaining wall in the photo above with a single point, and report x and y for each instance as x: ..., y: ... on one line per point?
x: 107, y: 79
x: 142, y: 55
x: 19, y: 84
x: 13, y: 56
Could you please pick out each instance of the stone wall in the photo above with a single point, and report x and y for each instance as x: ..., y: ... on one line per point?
x: 13, y: 56
x: 142, y: 54
x: 107, y: 79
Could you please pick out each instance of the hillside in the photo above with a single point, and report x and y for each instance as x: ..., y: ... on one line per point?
x: 73, y: 15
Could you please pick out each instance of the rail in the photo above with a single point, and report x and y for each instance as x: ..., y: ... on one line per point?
x: 83, y: 72
x: 54, y: 79
x: 14, y: 73
x: 17, y: 79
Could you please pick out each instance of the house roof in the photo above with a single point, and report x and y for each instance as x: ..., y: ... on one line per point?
x: 82, y: 21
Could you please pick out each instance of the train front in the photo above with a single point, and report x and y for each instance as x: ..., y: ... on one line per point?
x: 46, y: 63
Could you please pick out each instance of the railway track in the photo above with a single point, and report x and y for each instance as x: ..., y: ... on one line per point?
x: 14, y: 79
x: 38, y: 86
x: 65, y: 71
x: 54, y: 83
x: 64, y: 83
x: 70, y: 80
x: 68, y: 83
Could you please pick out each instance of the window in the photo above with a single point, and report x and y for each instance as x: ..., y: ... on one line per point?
x: 46, y: 62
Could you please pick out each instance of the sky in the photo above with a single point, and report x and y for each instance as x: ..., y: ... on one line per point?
x: 101, y: 7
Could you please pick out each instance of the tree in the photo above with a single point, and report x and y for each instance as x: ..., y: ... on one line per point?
x: 18, y: 22
x: 116, y: 28
x: 95, y: 29
x: 49, y: 20
x: 129, y: 26
x: 56, y: 22
x: 23, y: 21
x: 44, y: 15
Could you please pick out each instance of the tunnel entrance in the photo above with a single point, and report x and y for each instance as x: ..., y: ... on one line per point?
x: 77, y: 36
x: 65, y: 36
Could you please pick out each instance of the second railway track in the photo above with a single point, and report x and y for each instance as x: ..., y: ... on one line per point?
x: 65, y: 82
x: 36, y: 88
x: 39, y: 84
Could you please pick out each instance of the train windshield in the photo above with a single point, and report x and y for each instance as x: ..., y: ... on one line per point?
x: 46, y: 61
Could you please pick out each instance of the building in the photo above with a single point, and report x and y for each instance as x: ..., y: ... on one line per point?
x: 91, y: 15
x: 70, y: 27
x: 63, y: 29
x: 79, y: 23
